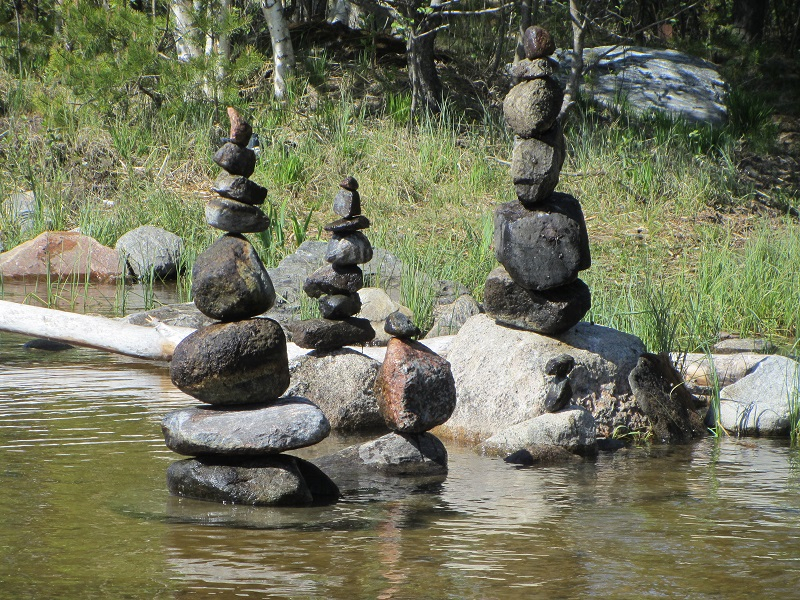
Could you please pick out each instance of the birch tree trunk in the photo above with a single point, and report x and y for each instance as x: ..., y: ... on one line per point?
x: 579, y: 24
x: 282, y: 50
x: 184, y: 30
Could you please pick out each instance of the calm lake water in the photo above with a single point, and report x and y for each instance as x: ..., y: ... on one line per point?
x: 85, y: 512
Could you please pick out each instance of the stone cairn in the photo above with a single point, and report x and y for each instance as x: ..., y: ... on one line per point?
x: 239, y: 367
x: 415, y: 391
x: 540, y: 240
x: 336, y: 284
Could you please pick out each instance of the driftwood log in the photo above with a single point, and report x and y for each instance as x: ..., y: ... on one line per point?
x: 153, y: 343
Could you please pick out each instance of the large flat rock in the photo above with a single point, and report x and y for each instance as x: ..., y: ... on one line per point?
x: 500, y: 376
x: 286, y: 424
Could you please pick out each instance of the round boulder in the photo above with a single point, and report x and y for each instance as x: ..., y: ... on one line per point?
x: 532, y: 107
x: 229, y: 281
x: 244, y: 362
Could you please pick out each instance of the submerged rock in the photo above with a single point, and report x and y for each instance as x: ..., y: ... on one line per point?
x: 269, y: 481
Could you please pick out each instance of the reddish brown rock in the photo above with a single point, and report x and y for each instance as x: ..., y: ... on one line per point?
x: 240, y: 129
x: 537, y: 42
x: 415, y: 389
x: 62, y: 255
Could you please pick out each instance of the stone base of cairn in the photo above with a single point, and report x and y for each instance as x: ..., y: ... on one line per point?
x: 540, y: 240
x: 336, y: 284
x: 239, y: 367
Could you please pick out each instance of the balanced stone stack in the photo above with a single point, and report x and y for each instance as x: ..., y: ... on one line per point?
x: 239, y: 366
x: 415, y: 391
x: 540, y: 240
x: 336, y: 284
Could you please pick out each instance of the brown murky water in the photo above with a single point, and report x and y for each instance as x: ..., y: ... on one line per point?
x: 85, y: 513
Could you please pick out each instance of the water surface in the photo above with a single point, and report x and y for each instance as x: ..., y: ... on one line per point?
x: 85, y: 512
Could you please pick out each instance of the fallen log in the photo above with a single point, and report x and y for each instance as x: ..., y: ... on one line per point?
x: 101, y: 333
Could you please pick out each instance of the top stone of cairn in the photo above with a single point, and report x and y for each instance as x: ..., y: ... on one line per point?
x: 241, y: 131
x: 537, y: 42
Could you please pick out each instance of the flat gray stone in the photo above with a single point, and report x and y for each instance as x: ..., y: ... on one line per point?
x: 544, y: 247
x: 328, y: 334
x: 288, y: 423
x: 229, y: 281
x: 549, y: 312
x: 532, y: 107
x: 573, y: 429
x: 243, y: 362
x: 348, y: 249
x: 280, y: 480
x: 760, y: 403
x: 235, y: 217
x: 239, y: 188
x: 399, y: 455
x: 152, y: 251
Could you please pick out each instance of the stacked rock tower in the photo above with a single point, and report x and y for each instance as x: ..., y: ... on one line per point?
x: 336, y: 284
x: 540, y: 240
x: 416, y: 392
x: 239, y: 367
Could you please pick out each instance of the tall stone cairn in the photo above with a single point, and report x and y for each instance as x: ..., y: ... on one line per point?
x: 239, y: 367
x: 336, y: 284
x: 540, y: 240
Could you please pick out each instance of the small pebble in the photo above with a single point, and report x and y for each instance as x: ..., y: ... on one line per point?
x: 400, y: 325
x: 349, y: 183
x: 537, y: 42
x: 560, y: 365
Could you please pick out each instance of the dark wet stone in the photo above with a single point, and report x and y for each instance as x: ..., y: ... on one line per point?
x: 394, y: 454
x: 240, y: 129
x: 347, y: 203
x: 349, y: 183
x: 334, y: 280
x: 543, y: 247
x: 339, y: 306
x: 559, y: 394
x: 400, y: 325
x: 239, y: 188
x: 265, y: 481
x: 235, y: 217
x: 540, y: 456
x: 46, y: 345
x: 526, y: 69
x: 536, y: 165
x: 252, y: 430
x: 537, y: 42
x: 347, y: 225
x: 560, y: 365
x: 415, y: 388
x: 229, y: 281
x: 348, y: 249
x: 532, y: 107
x: 236, y: 160
x: 327, y: 334
x: 243, y: 362
x: 548, y: 312
x: 660, y: 392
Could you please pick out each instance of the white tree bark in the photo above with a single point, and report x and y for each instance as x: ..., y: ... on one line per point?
x: 282, y: 49
x: 153, y: 343
x: 184, y: 30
